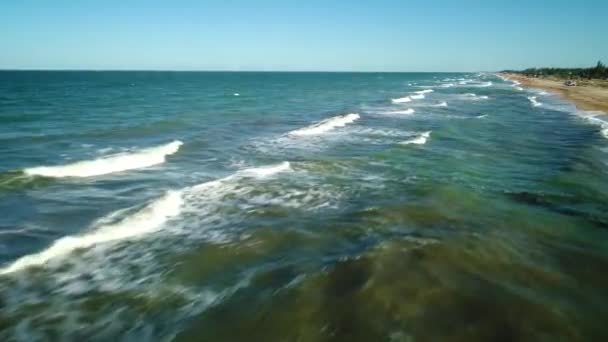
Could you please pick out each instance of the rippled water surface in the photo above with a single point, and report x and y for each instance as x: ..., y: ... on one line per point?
x: 299, y: 207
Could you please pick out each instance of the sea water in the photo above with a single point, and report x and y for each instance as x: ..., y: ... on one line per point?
x: 229, y: 206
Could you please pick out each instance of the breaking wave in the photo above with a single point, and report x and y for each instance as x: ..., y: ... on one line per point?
x: 420, y: 140
x: 592, y: 117
x: 402, y: 100
x: 533, y: 101
x: 326, y: 125
x: 145, y: 221
x: 109, y: 164
x: 408, y: 111
x: 417, y: 97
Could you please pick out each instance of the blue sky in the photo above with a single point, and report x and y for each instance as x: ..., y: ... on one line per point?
x: 380, y: 35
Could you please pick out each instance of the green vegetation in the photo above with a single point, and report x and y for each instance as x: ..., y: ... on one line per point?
x: 600, y: 71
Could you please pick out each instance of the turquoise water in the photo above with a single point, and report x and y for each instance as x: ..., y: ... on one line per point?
x: 299, y: 207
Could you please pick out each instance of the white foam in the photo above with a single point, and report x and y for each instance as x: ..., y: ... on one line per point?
x: 519, y: 88
x: 408, y: 111
x: 143, y: 222
x: 475, y: 97
x: 326, y: 125
x: 593, y: 118
x: 425, y: 91
x: 147, y: 220
x: 109, y: 164
x: 482, y: 116
x: 417, y: 97
x: 254, y: 172
x: 441, y: 104
x: 402, y: 100
x: 447, y: 85
x: 382, y: 132
x: 420, y: 140
x: 237, y: 94
x: 534, y: 102
x: 265, y: 171
x: 486, y: 84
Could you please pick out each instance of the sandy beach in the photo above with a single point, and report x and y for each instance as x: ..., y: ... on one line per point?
x: 587, y: 95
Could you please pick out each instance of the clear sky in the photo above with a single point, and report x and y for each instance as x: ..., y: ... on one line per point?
x: 336, y: 35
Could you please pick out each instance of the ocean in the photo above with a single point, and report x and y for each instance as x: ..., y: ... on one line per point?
x: 246, y: 206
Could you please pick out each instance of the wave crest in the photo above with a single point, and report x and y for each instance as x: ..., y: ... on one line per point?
x: 149, y: 219
x: 145, y: 221
x: 420, y: 140
x: 326, y: 125
x: 408, y: 111
x: 533, y: 101
x: 402, y: 100
x: 109, y: 164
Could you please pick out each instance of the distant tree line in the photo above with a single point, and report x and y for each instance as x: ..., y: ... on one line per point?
x: 599, y: 71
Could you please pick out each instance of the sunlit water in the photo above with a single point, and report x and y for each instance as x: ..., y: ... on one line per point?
x: 299, y: 207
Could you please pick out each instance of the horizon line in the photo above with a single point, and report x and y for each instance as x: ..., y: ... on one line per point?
x: 229, y: 70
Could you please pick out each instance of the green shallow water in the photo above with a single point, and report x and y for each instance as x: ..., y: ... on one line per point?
x: 492, y: 229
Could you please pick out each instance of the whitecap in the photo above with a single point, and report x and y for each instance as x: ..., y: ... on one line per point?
x: 420, y: 140
x: 417, y: 97
x: 382, y: 132
x: 475, y: 97
x: 109, y: 164
x: 326, y: 125
x: 259, y: 172
x: 441, y: 104
x: 534, y: 102
x: 151, y: 218
x: 425, y: 91
x: 408, y: 111
x: 593, y: 118
x: 144, y: 221
x: 402, y: 100
x: 265, y: 171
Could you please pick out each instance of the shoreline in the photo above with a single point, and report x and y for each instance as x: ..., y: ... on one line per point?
x: 589, y: 95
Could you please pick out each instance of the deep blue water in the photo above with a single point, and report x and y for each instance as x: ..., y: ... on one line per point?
x: 299, y: 206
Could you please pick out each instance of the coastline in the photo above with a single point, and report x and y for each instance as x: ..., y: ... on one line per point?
x: 589, y: 95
